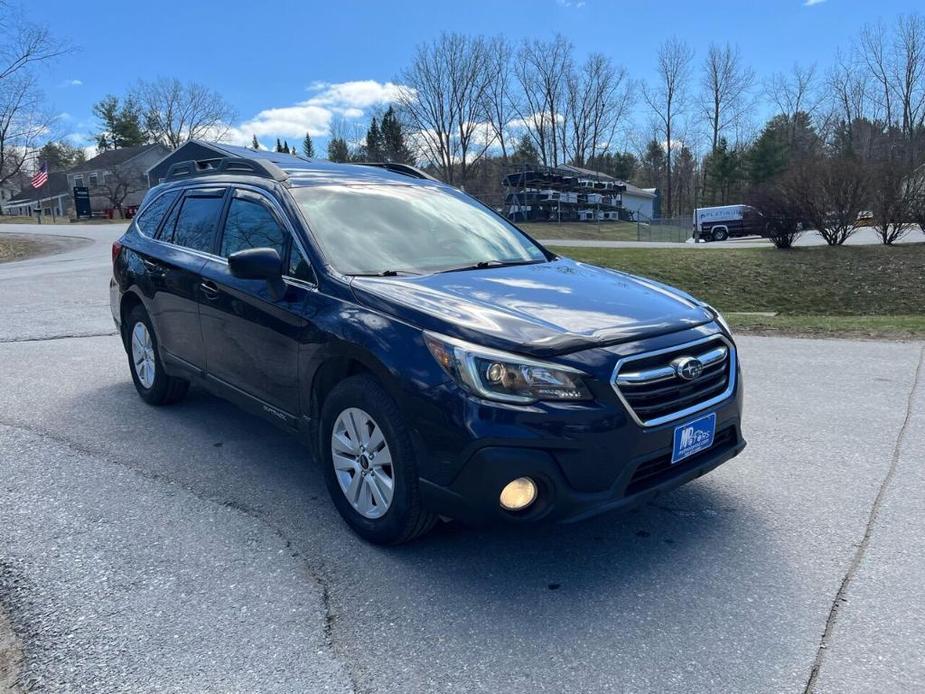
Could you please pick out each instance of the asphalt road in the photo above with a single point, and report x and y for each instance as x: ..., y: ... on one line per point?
x: 194, y: 548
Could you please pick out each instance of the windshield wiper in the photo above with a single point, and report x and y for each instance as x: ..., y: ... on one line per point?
x: 385, y: 273
x: 483, y: 264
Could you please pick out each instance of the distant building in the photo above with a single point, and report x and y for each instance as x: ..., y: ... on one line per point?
x: 53, y: 199
x: 642, y: 202
x: 116, y: 177
x: 199, y: 150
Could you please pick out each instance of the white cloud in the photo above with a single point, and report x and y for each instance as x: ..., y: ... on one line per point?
x: 71, y: 83
x: 348, y: 100
x: 576, y: 4
x: 810, y: 3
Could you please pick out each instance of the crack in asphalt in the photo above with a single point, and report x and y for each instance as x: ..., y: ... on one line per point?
x: 861, y: 548
x: 14, y: 340
x: 329, y: 618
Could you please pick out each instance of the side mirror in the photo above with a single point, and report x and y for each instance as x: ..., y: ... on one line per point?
x: 256, y: 264
x: 259, y: 264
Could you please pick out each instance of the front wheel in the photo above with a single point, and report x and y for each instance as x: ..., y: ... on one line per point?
x: 153, y: 384
x: 369, y: 463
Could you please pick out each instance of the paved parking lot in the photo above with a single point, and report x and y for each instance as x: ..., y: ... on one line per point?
x: 194, y: 547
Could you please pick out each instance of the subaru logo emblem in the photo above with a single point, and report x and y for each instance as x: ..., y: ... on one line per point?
x: 688, y: 368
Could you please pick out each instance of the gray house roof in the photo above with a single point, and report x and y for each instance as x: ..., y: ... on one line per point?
x: 56, y: 185
x: 105, y: 161
x: 196, y: 150
x: 639, y: 192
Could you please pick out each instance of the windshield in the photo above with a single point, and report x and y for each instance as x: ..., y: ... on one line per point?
x: 389, y: 228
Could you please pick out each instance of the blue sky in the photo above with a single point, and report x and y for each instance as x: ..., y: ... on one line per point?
x: 286, y: 66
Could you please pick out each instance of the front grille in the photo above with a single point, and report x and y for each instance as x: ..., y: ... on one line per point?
x: 657, y: 470
x: 653, y: 390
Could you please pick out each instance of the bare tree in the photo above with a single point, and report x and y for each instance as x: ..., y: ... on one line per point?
x: 829, y: 194
x: 848, y: 92
x: 498, y: 104
x: 23, y: 120
x: 444, y: 102
x: 794, y: 93
x: 118, y: 184
x: 876, y: 53
x: 896, y: 194
x: 598, y: 97
x: 725, y: 85
x: 668, y: 96
x: 782, y: 214
x: 176, y: 112
x: 909, y: 79
x: 541, y: 69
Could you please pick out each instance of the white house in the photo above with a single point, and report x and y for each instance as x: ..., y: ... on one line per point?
x: 640, y: 201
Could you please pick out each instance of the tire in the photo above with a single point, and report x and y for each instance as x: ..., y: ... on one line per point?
x: 720, y: 234
x: 153, y: 383
x: 377, y: 512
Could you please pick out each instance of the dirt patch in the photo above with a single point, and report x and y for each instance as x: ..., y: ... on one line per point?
x: 10, y: 656
x: 23, y: 246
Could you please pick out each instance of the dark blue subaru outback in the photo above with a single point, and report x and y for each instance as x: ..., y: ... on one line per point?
x: 437, y: 360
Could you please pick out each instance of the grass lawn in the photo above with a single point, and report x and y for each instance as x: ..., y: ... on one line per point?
x: 18, y: 247
x: 848, y: 290
x: 605, y: 231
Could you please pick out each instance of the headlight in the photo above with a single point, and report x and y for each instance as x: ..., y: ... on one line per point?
x: 719, y: 319
x: 497, y: 375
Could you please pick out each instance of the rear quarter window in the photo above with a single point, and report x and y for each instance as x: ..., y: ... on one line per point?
x: 197, y: 223
x: 150, y: 218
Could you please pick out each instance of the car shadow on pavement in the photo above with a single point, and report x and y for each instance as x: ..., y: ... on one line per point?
x: 217, y: 450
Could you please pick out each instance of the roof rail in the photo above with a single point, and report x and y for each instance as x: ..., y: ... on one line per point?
x: 225, y: 165
x: 404, y: 169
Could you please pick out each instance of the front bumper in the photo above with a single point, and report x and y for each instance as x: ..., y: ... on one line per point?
x: 601, y: 468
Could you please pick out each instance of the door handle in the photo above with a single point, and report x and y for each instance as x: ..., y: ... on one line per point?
x: 209, y: 290
x: 152, y: 267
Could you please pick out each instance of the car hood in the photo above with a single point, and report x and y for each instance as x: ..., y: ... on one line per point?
x: 543, y: 309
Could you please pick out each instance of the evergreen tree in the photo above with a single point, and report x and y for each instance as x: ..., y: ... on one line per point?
x: 121, y: 124
x: 724, y: 173
x: 652, y: 166
x: 526, y: 152
x: 394, y: 148
x: 308, y: 147
x: 279, y: 145
x: 285, y: 147
x: 769, y: 155
x: 621, y: 166
x: 254, y: 143
x: 373, y: 142
x: 60, y: 156
x: 338, y: 150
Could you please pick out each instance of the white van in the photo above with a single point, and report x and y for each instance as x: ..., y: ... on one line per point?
x: 721, y: 223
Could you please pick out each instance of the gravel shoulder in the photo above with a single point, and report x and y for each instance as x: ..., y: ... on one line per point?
x: 10, y: 655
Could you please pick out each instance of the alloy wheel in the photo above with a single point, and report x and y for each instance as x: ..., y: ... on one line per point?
x: 362, y: 462
x: 143, y: 354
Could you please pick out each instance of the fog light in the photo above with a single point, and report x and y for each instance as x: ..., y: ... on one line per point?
x: 519, y: 494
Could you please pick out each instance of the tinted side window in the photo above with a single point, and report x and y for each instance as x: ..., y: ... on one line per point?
x: 148, y: 221
x: 197, y: 222
x: 298, y: 267
x: 251, y: 225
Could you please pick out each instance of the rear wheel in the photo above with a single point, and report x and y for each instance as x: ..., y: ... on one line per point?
x: 153, y: 384
x: 369, y: 463
x: 720, y: 234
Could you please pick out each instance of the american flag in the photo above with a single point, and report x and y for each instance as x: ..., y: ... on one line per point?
x: 41, y: 176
